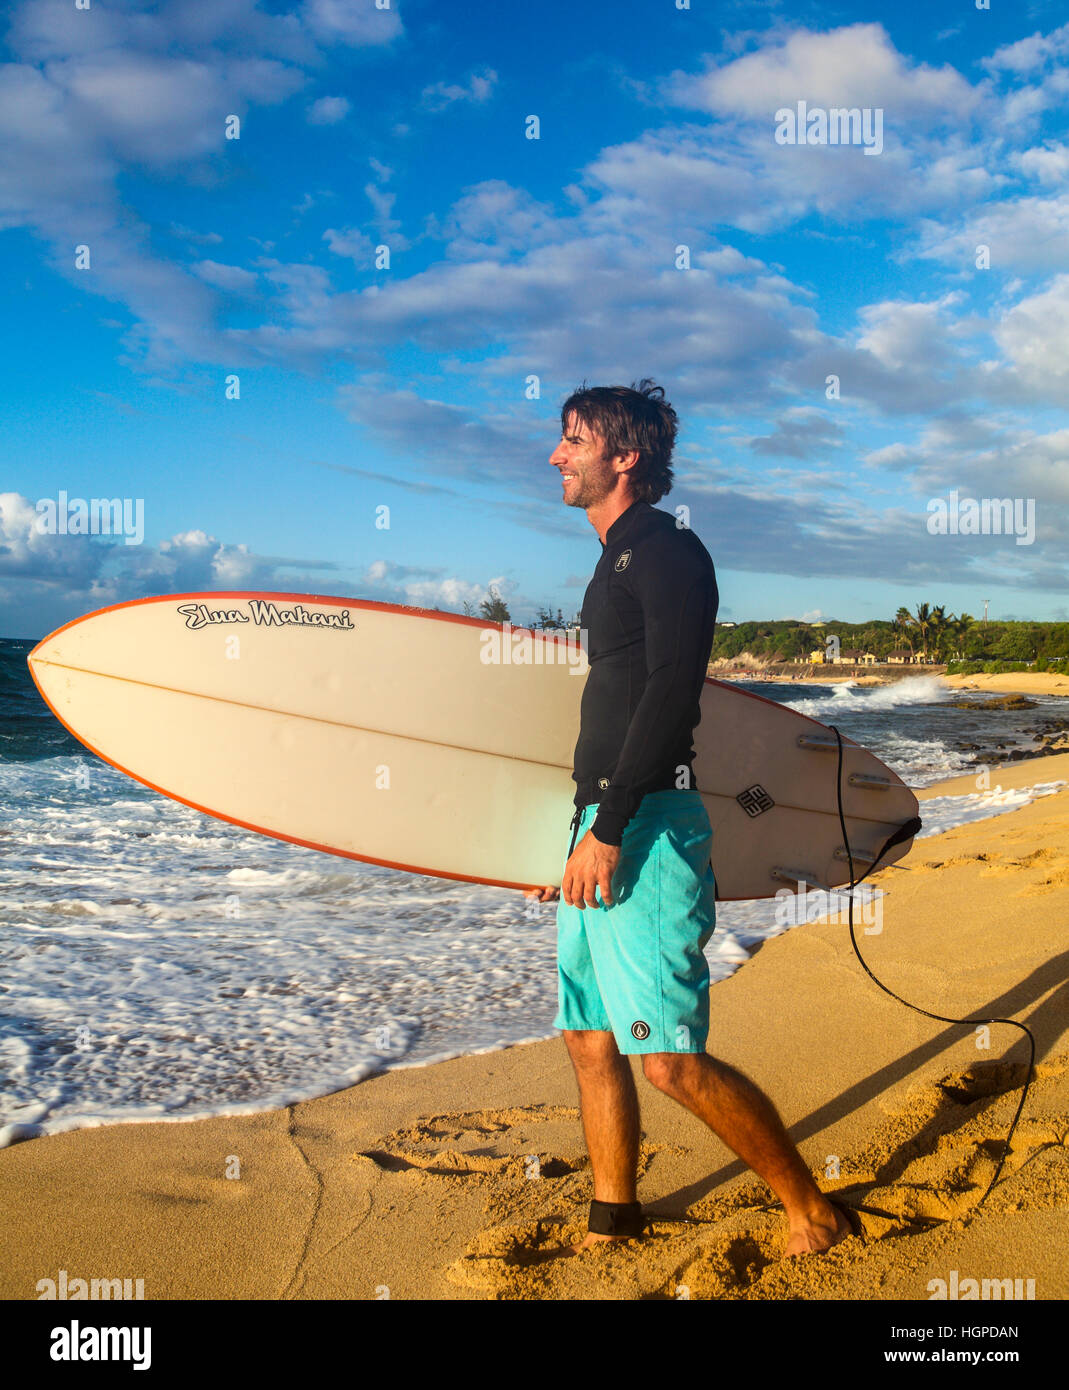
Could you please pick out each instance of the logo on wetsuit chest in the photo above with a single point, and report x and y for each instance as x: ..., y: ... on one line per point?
x: 622, y: 560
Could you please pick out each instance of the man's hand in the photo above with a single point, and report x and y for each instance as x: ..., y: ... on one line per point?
x: 590, y: 867
x: 542, y: 895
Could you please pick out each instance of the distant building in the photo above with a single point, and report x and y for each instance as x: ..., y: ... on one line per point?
x: 852, y: 656
x: 900, y: 658
x: 817, y: 657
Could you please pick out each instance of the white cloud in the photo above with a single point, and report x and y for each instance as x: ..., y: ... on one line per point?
x: 328, y: 111
x: 50, y: 163
x: 913, y: 336
x: 1022, y: 234
x: 479, y: 447
x: 493, y: 219
x: 157, y: 108
x: 1042, y: 58
x: 57, y: 577
x: 855, y: 65
x: 890, y: 456
x: 677, y: 182
x: 593, y: 289
x: 1026, y: 55
x: 232, y: 279
x: 197, y: 238
x: 1048, y: 163
x: 354, y: 22
x: 351, y: 243
x: 418, y: 587
x: 800, y: 433
x: 27, y: 553
x: 1034, y: 337
x: 478, y: 88
x: 94, y: 93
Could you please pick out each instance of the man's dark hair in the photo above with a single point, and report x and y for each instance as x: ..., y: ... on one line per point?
x: 634, y: 417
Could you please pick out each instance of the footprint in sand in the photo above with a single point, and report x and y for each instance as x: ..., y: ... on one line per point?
x: 919, y: 1176
x: 942, y: 1149
x: 522, y: 1140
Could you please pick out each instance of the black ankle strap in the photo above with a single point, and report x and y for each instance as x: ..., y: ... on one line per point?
x: 616, y: 1218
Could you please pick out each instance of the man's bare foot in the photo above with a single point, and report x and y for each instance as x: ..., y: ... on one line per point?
x: 590, y: 1240
x: 563, y: 1252
x: 819, y: 1232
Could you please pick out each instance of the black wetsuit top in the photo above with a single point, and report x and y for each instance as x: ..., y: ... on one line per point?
x: 648, y: 616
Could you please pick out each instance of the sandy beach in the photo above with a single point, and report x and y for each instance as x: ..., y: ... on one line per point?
x: 452, y: 1181
x: 1014, y: 682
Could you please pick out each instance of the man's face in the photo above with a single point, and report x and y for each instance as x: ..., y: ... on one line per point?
x: 587, y: 477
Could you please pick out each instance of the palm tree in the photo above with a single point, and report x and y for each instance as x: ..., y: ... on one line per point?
x: 922, y: 621
x: 940, y: 626
x: 961, y: 627
x: 495, y: 608
x: 900, y: 625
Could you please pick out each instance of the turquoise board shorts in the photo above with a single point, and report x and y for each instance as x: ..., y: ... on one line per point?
x: 637, y: 968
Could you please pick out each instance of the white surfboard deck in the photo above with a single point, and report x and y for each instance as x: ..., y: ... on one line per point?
x: 427, y: 741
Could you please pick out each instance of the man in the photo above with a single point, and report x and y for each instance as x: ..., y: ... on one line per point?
x: 632, y: 974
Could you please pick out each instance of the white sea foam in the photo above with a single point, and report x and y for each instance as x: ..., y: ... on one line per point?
x: 848, y: 695
x: 941, y: 813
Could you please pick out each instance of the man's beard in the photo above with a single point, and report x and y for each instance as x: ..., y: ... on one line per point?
x: 590, y: 491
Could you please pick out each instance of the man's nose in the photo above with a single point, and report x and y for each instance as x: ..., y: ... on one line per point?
x: 558, y: 455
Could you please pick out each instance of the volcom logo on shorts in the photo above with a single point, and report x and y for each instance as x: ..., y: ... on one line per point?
x: 623, y: 560
x: 640, y: 1030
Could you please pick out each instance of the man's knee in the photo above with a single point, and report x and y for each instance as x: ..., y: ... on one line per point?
x: 669, y: 1071
x: 591, y: 1048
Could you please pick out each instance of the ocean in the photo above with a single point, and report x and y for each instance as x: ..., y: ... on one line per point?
x: 158, y: 964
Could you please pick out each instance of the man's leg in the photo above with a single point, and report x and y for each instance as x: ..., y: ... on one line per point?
x: 746, y: 1120
x: 608, y: 1103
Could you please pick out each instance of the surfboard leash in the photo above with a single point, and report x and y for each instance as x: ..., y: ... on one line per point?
x: 905, y: 832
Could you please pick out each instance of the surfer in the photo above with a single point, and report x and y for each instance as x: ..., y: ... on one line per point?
x: 632, y: 976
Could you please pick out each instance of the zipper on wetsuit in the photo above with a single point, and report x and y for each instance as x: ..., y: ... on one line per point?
x: 575, y: 828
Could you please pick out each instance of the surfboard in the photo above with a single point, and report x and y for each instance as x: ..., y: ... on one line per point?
x: 430, y: 742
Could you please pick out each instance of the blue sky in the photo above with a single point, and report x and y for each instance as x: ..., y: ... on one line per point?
x: 510, y: 258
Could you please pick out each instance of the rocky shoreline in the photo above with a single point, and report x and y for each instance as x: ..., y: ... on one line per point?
x: 1051, y: 737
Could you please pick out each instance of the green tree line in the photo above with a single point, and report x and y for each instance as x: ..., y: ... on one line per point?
x: 928, y: 634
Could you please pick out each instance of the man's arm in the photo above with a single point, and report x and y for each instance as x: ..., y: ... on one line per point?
x: 677, y: 591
